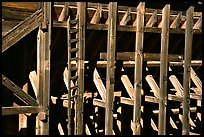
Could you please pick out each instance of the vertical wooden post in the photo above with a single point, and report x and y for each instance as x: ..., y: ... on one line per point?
x: 110, y: 70
x: 187, y: 68
x: 81, y: 11
x: 43, y: 67
x: 164, y: 69
x: 138, y: 69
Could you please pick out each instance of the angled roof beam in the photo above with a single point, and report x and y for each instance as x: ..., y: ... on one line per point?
x: 126, y: 18
x: 18, y: 91
x: 152, y: 20
x: 177, y: 21
x: 21, y: 30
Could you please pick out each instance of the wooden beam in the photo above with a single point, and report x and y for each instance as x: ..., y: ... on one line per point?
x: 128, y: 28
x: 176, y: 85
x: 198, y: 24
x: 34, y: 82
x: 81, y: 12
x: 110, y: 70
x: 126, y: 18
x: 196, y: 81
x: 146, y: 56
x: 128, y: 86
x: 97, y: 15
x: 64, y: 13
x: 154, y: 63
x: 21, y: 30
x: 153, y: 19
x: 20, y: 110
x: 177, y: 21
x: 138, y: 69
x: 43, y: 65
x: 99, y: 102
x: 153, y: 85
x: 164, y: 69
x: 187, y: 67
x: 99, y: 84
x: 18, y: 91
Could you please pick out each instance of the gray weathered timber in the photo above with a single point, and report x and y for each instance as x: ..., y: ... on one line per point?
x: 146, y: 56
x: 110, y: 70
x: 20, y: 110
x: 21, y: 30
x: 43, y: 65
x: 81, y: 11
x: 18, y: 91
x: 164, y: 70
x: 138, y: 68
x: 187, y: 69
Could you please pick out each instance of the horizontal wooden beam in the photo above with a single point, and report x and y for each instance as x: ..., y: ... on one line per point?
x: 21, y: 30
x: 146, y: 56
x: 21, y: 110
x: 18, y: 91
x: 127, y: 28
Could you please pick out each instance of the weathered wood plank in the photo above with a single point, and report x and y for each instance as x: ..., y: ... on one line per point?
x: 138, y: 68
x: 196, y: 81
x: 146, y: 56
x: 126, y: 17
x: 97, y: 15
x: 177, y: 21
x: 64, y: 13
x: 20, y: 110
x: 164, y: 69
x: 21, y: 30
x: 110, y: 69
x: 152, y: 20
x: 128, y: 28
x: 153, y: 85
x: 187, y: 65
x: 18, y: 91
x: 34, y: 82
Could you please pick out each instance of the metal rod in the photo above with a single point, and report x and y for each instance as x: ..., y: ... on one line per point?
x: 164, y: 69
x: 187, y: 69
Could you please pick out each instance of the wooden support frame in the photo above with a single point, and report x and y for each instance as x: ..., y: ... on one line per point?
x: 198, y: 24
x: 177, y: 21
x: 21, y: 30
x: 110, y: 70
x: 164, y: 69
x: 153, y: 19
x: 18, y: 91
x: 64, y: 13
x: 97, y: 15
x: 21, y: 110
x: 126, y: 17
x: 43, y: 65
x: 187, y: 67
x: 138, y: 69
x: 146, y: 56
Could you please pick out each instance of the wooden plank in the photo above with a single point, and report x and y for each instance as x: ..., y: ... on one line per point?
x: 177, y: 21
x: 97, y: 15
x: 126, y: 18
x: 20, y: 110
x: 27, y: 6
x: 64, y: 13
x: 18, y: 91
x: 99, y: 102
x: 154, y: 63
x: 110, y: 70
x: 196, y: 81
x: 176, y: 85
x: 60, y: 129
x: 128, y: 86
x: 146, y: 56
x: 34, y: 82
x: 81, y: 12
x: 99, y: 84
x: 153, y: 19
x: 150, y: 80
x: 138, y: 68
x: 21, y: 30
x: 187, y: 65
x: 43, y: 65
x: 128, y: 28
x: 198, y: 24
x: 164, y: 69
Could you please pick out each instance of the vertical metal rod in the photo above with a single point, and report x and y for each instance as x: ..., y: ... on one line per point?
x: 68, y: 77
x: 138, y: 69
x: 187, y: 68
x: 164, y: 69
x: 81, y: 11
x: 110, y: 70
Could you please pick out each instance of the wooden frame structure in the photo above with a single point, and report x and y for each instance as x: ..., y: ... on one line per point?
x: 139, y: 20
